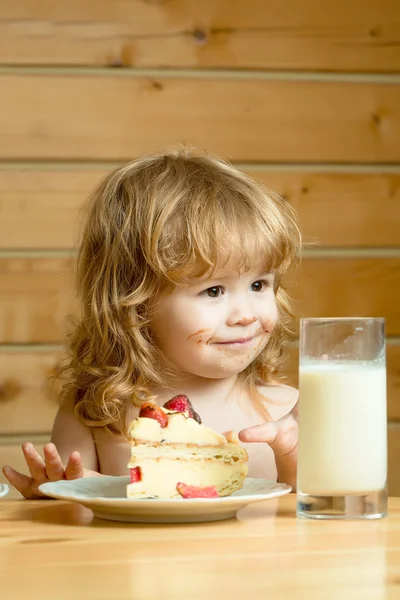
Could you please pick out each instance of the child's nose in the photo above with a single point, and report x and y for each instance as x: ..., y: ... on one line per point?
x: 241, y: 314
x: 246, y: 320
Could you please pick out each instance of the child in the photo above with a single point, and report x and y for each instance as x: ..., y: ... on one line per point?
x: 179, y: 279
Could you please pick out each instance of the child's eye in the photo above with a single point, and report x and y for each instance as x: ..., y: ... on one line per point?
x: 259, y: 286
x: 213, y: 292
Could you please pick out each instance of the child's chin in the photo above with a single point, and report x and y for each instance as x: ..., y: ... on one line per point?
x: 223, y: 371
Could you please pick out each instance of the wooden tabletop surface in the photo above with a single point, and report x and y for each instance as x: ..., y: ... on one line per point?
x: 53, y: 550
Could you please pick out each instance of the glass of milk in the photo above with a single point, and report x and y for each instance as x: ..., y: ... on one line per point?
x: 342, y: 449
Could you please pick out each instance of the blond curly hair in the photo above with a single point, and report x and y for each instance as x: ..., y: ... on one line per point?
x: 158, y: 221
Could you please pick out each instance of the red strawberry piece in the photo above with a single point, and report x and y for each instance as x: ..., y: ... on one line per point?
x: 149, y: 410
x: 181, y: 403
x: 191, y: 491
x: 136, y: 474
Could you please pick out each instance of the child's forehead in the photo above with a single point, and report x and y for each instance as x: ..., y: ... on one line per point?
x: 233, y: 268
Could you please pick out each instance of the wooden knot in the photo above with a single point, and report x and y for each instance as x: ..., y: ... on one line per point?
x: 200, y: 36
x: 375, y: 31
x: 9, y: 390
x: 376, y: 119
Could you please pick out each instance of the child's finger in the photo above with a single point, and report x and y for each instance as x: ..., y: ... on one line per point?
x: 74, y: 468
x: 280, y: 435
x: 285, y: 443
x: 34, y: 461
x: 54, y: 466
x: 266, y: 432
x: 21, y: 482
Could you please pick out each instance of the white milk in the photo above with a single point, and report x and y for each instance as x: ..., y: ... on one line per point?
x: 342, y: 428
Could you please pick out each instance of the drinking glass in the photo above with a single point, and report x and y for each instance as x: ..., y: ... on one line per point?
x: 342, y: 449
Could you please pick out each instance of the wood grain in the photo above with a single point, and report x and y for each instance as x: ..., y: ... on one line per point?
x: 348, y: 287
x: 116, y: 118
x: 79, y: 556
x: 342, y: 209
x: 40, y: 207
x: 29, y: 397
x: 37, y: 294
x: 304, y: 34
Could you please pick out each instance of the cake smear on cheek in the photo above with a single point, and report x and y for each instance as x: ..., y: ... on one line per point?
x: 201, y: 338
x: 245, y: 351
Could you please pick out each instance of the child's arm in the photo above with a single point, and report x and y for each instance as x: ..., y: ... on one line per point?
x: 282, y: 436
x: 72, y: 447
x: 70, y: 434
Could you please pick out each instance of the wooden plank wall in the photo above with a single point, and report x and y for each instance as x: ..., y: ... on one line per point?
x: 305, y: 95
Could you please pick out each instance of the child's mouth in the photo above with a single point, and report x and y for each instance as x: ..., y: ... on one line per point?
x: 237, y: 342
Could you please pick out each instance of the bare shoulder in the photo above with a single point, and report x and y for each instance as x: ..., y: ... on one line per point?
x: 279, y: 398
x: 66, y: 412
x: 68, y: 403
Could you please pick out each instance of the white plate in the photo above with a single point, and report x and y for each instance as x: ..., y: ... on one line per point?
x: 4, y: 489
x: 106, y: 497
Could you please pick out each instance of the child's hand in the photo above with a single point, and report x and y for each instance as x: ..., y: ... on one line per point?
x: 42, y: 471
x: 282, y: 436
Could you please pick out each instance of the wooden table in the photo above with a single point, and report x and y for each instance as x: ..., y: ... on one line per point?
x: 51, y: 550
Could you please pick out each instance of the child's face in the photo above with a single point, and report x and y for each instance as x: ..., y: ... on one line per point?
x: 215, y: 328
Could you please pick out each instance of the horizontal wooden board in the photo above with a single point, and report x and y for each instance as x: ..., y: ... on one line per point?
x: 29, y: 395
x: 349, y: 287
x: 39, y: 207
x: 342, y: 209
x: 290, y: 369
x: 94, y: 117
x: 36, y: 294
x: 296, y: 34
x: 11, y: 454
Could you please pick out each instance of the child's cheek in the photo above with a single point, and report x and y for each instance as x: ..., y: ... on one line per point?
x: 269, y: 325
x: 200, y: 337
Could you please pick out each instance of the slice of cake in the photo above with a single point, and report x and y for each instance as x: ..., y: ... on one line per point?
x: 174, y: 454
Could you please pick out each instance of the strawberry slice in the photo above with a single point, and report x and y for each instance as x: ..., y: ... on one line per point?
x: 181, y: 403
x: 191, y: 491
x: 149, y: 410
x: 136, y: 474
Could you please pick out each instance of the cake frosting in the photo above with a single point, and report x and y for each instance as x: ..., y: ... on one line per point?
x: 172, y: 449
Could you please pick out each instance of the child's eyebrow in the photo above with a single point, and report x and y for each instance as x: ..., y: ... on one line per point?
x: 223, y: 277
